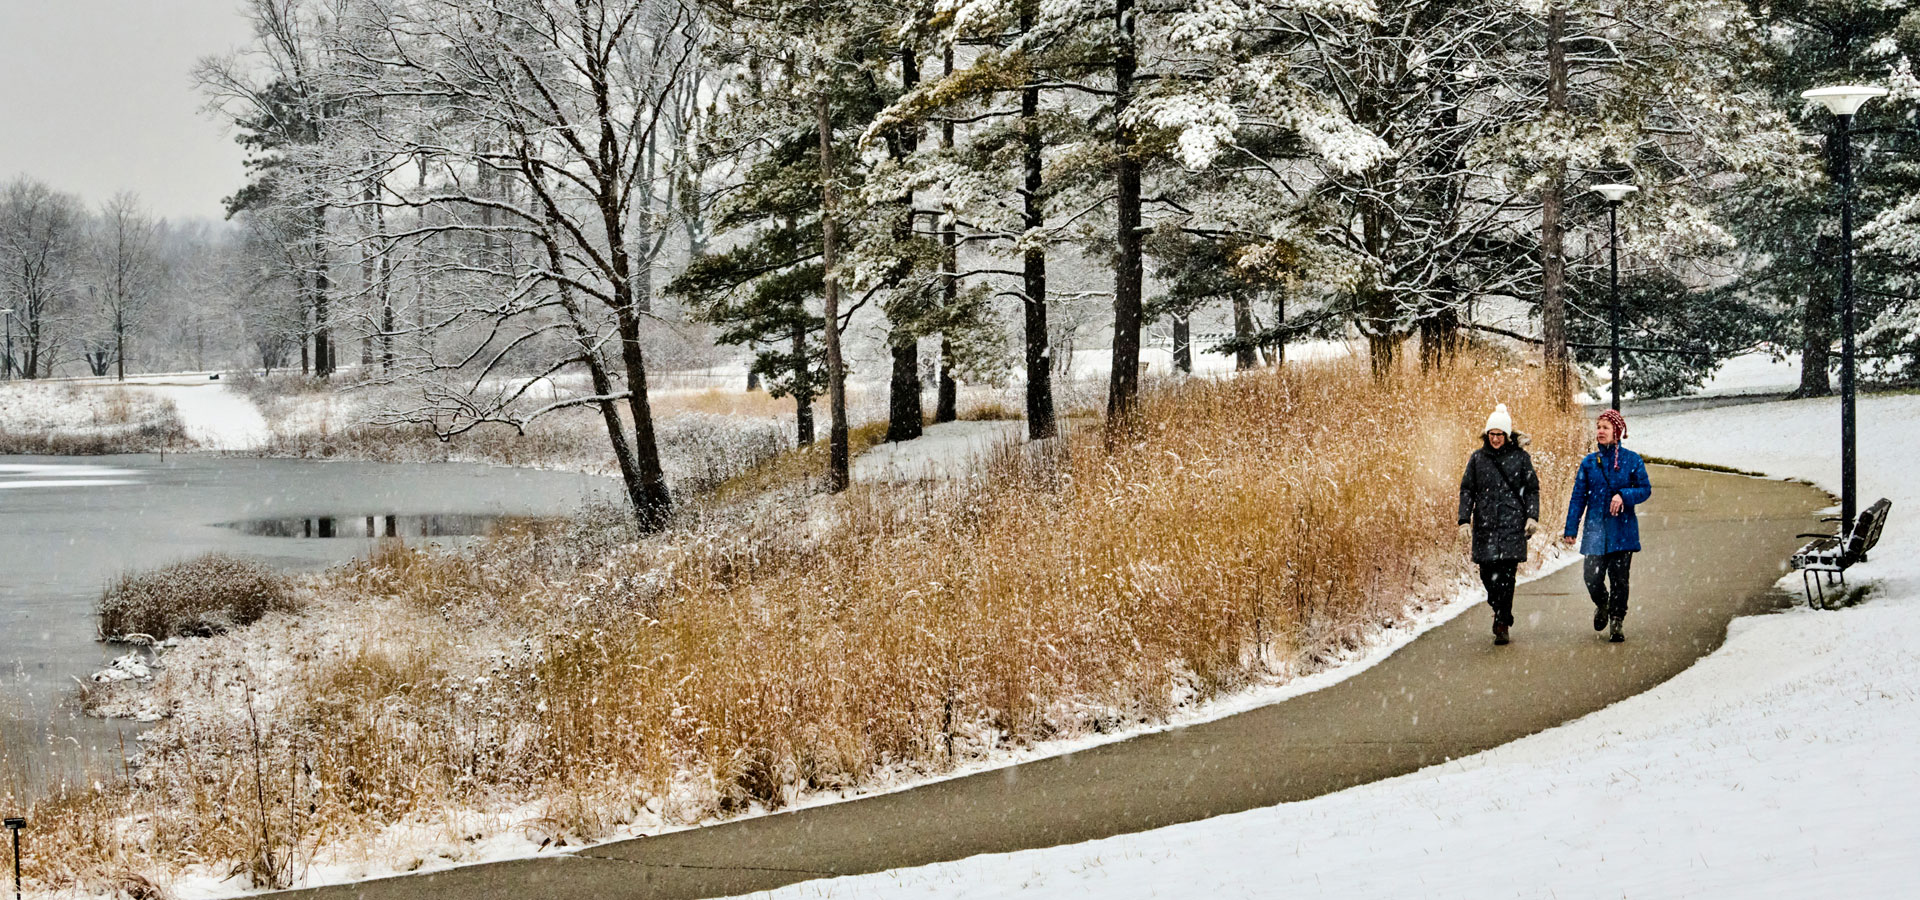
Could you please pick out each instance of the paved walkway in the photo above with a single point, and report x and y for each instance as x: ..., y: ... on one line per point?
x: 1717, y: 545
x: 216, y: 417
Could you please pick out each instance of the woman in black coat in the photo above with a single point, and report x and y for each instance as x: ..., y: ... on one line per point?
x: 1500, y: 506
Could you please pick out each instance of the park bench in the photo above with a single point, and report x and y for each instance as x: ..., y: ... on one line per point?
x: 1832, y: 554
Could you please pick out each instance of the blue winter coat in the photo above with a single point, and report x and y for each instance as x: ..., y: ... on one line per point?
x: 1593, y: 490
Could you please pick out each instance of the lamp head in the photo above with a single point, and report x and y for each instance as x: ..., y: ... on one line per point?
x: 16, y: 823
x: 1844, y: 100
x: 1614, y: 192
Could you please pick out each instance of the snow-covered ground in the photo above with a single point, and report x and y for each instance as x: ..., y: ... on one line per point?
x: 1753, y: 373
x: 75, y: 409
x: 1782, y: 765
x: 215, y: 416
x: 941, y: 451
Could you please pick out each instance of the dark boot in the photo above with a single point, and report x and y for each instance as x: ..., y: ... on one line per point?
x: 1614, y: 633
x: 1599, y: 617
x: 1499, y: 632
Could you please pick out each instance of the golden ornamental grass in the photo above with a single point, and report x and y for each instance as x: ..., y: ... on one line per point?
x: 1249, y: 528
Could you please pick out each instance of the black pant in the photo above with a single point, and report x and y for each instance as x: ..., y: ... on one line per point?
x: 1607, y: 577
x: 1499, y: 577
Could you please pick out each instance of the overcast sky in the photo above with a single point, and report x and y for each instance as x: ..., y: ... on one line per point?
x: 96, y: 97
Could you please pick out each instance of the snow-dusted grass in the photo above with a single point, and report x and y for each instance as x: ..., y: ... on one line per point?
x: 578, y: 684
x: 1779, y: 766
x: 82, y: 419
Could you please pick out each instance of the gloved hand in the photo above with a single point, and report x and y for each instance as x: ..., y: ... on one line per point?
x: 1533, y: 527
x: 1466, y: 532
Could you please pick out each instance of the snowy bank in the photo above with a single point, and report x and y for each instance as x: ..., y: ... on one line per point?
x: 74, y: 419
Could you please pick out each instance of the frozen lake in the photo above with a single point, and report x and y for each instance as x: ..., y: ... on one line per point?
x: 69, y: 526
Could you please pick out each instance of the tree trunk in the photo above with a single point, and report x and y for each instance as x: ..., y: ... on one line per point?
x: 1439, y: 336
x: 643, y: 257
x: 1182, y: 345
x: 383, y: 278
x: 946, y: 407
x: 803, y: 388
x: 1279, y: 320
x: 306, y: 326
x: 368, y: 267
x: 657, y: 503
x: 803, y: 393
x: 1033, y: 272
x: 837, y: 451
x: 1123, y: 386
x: 1553, y: 260
x: 1243, y: 358
x: 1816, y: 323
x: 905, y: 418
x: 1383, y: 351
x: 322, y: 284
x: 633, y: 477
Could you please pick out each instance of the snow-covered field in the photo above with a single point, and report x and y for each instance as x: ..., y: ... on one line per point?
x: 86, y: 417
x: 1782, y: 765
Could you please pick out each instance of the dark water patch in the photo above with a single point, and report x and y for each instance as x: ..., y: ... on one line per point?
x: 431, y: 526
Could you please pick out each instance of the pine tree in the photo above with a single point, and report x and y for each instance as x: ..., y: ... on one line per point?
x: 1787, y: 225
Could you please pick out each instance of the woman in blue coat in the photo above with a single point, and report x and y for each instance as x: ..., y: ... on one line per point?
x: 1612, y: 481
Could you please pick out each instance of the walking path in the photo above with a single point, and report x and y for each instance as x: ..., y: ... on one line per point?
x: 215, y: 416
x: 1716, y: 547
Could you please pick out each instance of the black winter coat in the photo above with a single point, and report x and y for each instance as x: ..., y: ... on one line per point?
x: 1498, y: 494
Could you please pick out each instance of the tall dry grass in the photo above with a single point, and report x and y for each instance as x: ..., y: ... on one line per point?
x: 1253, y: 527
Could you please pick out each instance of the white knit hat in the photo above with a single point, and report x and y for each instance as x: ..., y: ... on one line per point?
x: 1500, y: 420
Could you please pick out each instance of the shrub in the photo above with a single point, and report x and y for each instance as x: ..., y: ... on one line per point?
x: 199, y: 597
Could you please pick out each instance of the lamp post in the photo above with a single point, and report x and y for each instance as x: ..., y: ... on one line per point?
x: 7, y: 314
x: 1614, y: 194
x: 14, y: 825
x: 1843, y: 102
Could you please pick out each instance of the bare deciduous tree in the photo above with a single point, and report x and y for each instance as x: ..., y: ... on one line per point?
x: 39, y: 234
x: 545, y: 123
x: 125, y: 270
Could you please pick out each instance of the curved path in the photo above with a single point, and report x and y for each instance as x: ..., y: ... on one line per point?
x: 1716, y: 547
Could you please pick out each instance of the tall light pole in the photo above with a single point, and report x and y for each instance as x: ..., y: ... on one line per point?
x: 14, y: 824
x: 1843, y: 102
x: 7, y: 314
x: 1614, y: 194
